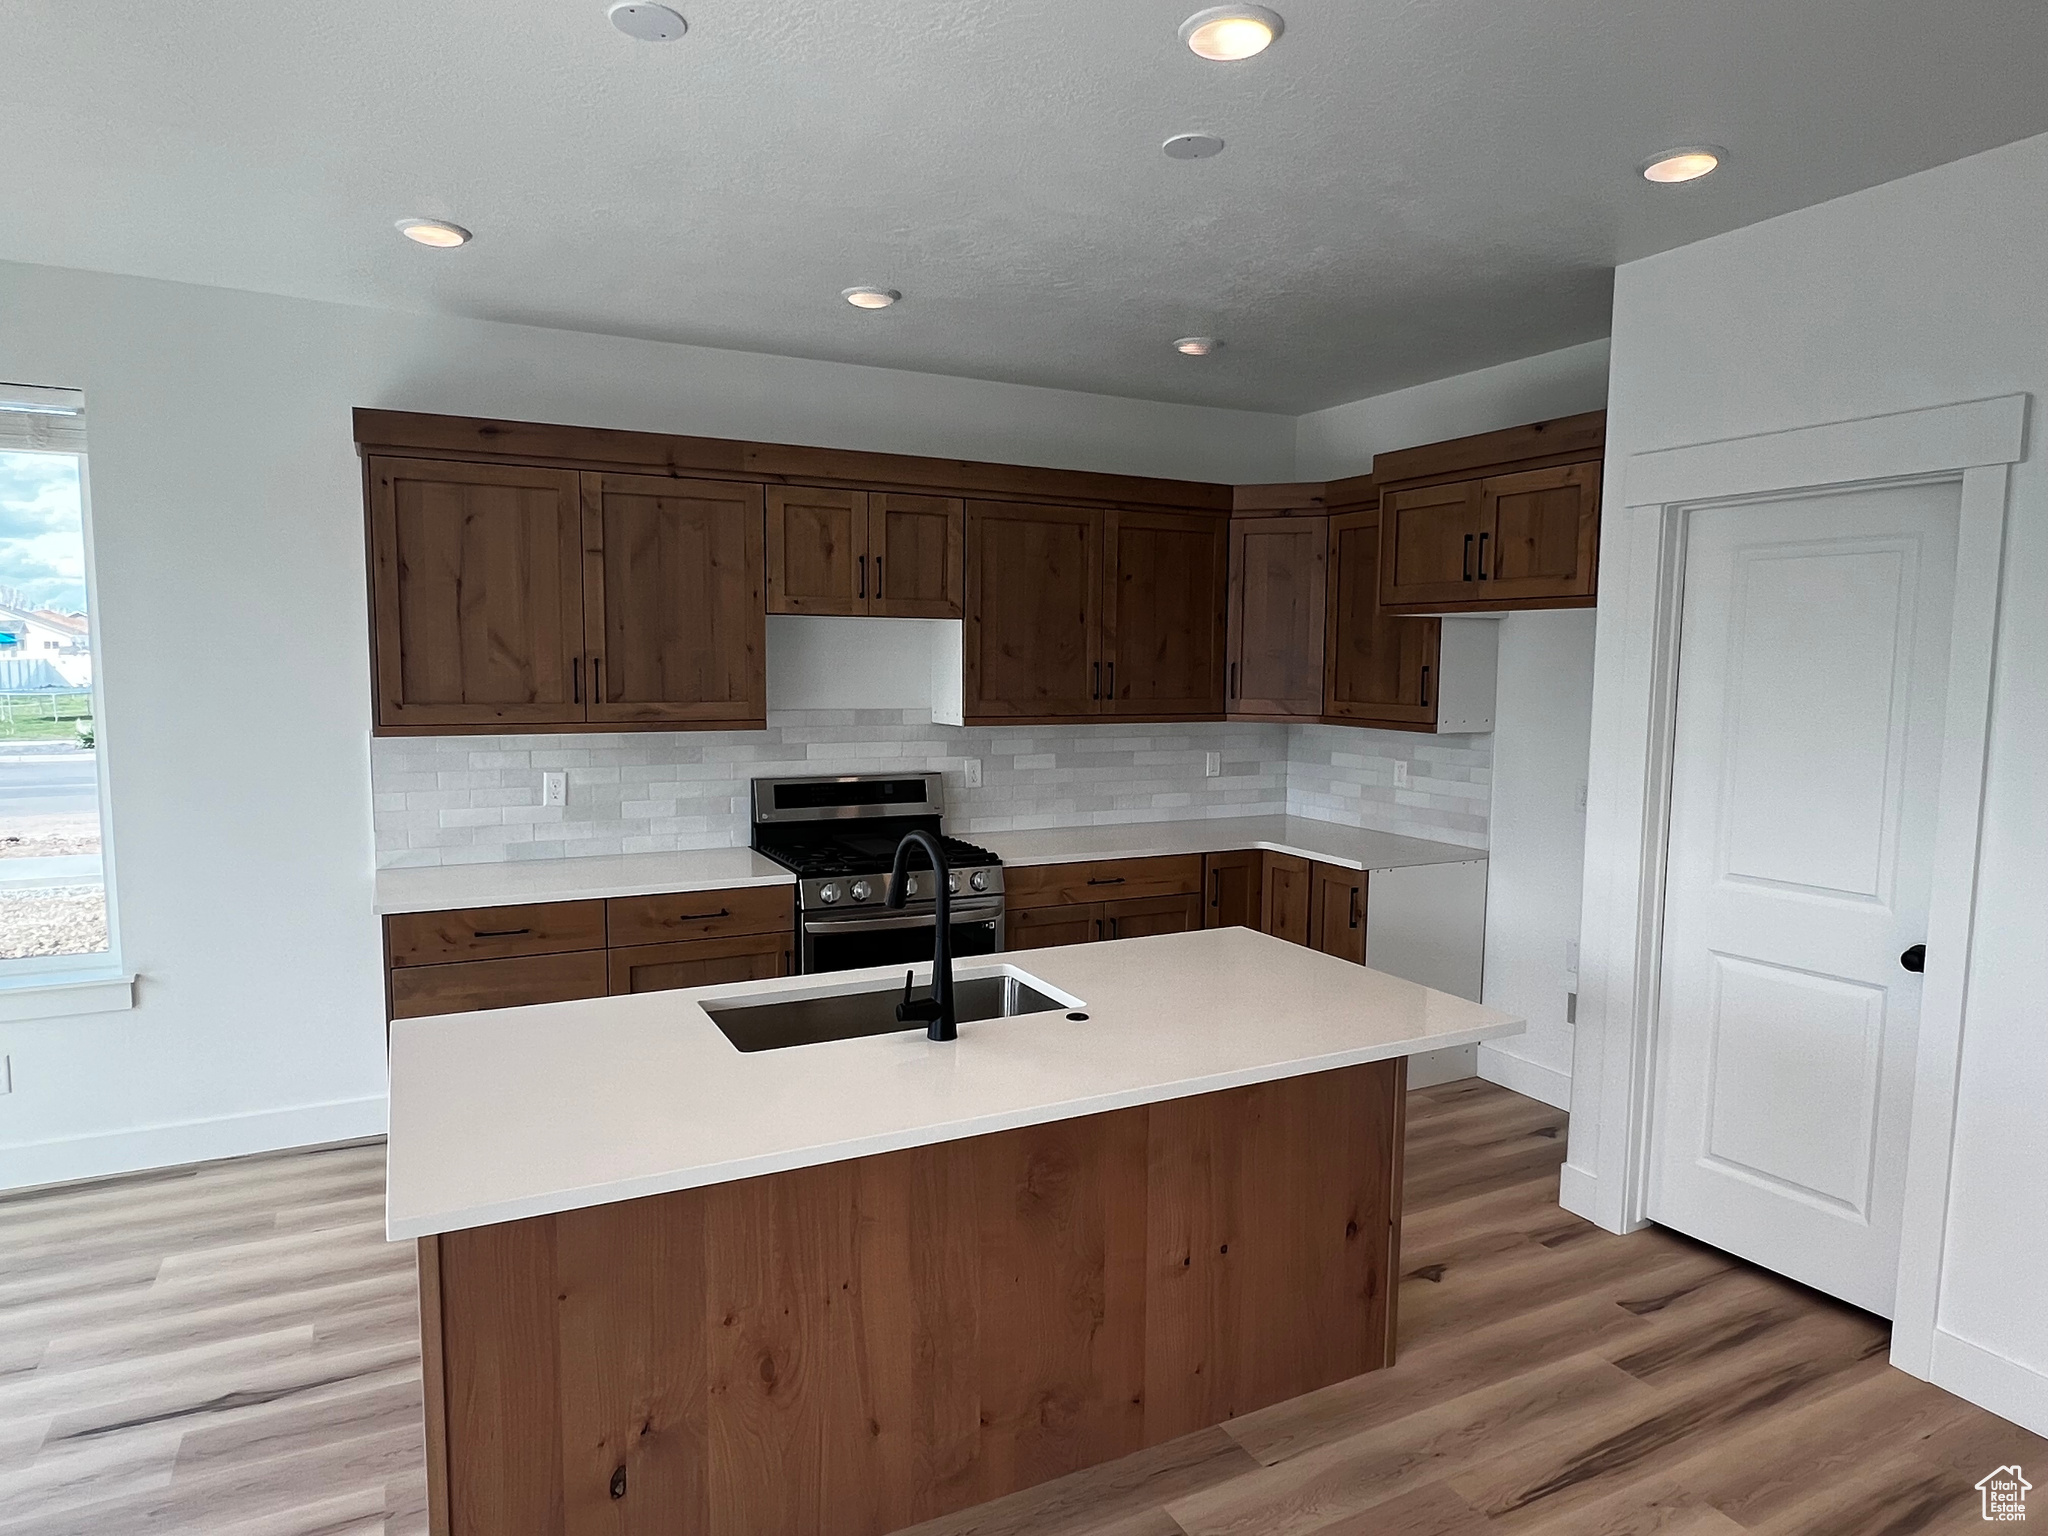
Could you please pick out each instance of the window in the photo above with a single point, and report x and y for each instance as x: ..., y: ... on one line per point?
x: 54, y: 911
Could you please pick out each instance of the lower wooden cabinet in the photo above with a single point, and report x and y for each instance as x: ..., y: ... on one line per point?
x: 699, y: 963
x: 1337, y: 912
x: 1284, y: 903
x: 1231, y: 885
x: 466, y: 985
x: 1151, y: 914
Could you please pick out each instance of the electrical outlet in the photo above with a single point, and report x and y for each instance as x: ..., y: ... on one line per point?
x: 1400, y: 773
x: 1212, y: 763
x: 1571, y: 957
x: 970, y: 773
x: 1571, y: 1007
x: 554, y: 788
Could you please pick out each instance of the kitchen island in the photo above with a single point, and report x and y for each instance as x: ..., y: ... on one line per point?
x: 669, y: 1285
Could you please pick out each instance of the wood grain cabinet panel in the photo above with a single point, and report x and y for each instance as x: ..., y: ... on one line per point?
x: 1433, y: 547
x: 817, y: 550
x: 701, y: 914
x: 1545, y: 526
x: 1148, y: 915
x: 1286, y: 898
x: 672, y: 574
x: 476, y: 594
x: 1163, y: 614
x: 1034, y: 885
x: 1232, y: 883
x: 916, y: 543
x: 493, y: 933
x: 1278, y: 590
x: 1337, y: 912
x: 1381, y: 669
x: 466, y: 985
x: 1031, y: 641
x: 1049, y: 927
x: 699, y: 963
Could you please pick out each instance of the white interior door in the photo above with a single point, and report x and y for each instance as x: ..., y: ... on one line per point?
x: 1812, y: 667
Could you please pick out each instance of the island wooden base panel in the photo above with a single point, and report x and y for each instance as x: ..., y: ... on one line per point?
x: 849, y: 1349
x: 231, y: 1350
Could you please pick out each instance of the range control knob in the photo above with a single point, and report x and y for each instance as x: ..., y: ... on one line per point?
x: 979, y: 879
x: 828, y: 892
x: 952, y: 885
x: 862, y: 890
x: 910, y: 886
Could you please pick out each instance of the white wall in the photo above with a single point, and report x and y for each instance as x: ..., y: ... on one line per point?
x: 223, y: 472
x: 1535, y: 837
x: 1925, y: 291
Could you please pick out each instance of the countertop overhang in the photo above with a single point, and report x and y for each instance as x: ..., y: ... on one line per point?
x: 525, y: 1112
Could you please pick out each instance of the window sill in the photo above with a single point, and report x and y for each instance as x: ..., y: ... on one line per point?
x: 57, y: 997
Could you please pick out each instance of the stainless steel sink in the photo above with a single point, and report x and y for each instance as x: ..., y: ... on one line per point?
x: 773, y: 1024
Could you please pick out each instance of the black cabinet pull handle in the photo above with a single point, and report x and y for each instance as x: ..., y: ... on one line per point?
x: 1465, y: 565
x: 863, y: 575
x: 576, y: 680
x: 701, y: 917
x: 1482, y: 557
x: 1354, y: 906
x: 1098, y: 930
x: 1915, y: 959
x: 1095, y: 688
x: 1112, y: 880
x: 1112, y: 927
x: 1425, y: 687
x: 878, y: 576
x: 1233, y: 680
x: 1215, y: 885
x: 596, y: 680
x: 501, y: 933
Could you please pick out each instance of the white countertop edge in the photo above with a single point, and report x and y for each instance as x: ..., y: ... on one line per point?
x: 411, y: 1226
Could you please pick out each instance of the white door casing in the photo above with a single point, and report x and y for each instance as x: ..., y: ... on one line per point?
x: 1806, y: 761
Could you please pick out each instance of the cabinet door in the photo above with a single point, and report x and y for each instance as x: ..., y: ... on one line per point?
x: 1278, y: 584
x: 672, y: 600
x: 1231, y: 889
x: 1382, y: 668
x: 1151, y: 914
x: 915, y: 545
x: 1543, y: 527
x: 1431, y: 543
x: 817, y: 550
x: 468, y: 985
x: 1337, y: 912
x: 1030, y: 642
x: 1162, y: 614
x: 476, y: 594
x: 1047, y: 927
x: 698, y: 963
x: 1284, y: 909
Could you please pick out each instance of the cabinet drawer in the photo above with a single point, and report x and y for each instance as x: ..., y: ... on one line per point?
x: 1049, y: 927
x: 1148, y: 915
x: 699, y: 963
x: 493, y: 933
x: 471, y: 984
x: 1040, y: 885
x: 701, y: 915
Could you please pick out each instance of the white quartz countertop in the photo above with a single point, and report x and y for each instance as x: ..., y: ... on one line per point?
x: 452, y: 887
x: 525, y: 1111
x: 1325, y: 841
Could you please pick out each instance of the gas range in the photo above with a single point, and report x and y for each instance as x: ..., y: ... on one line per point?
x: 839, y: 834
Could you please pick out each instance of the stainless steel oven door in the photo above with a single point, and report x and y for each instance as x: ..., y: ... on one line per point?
x: 849, y: 941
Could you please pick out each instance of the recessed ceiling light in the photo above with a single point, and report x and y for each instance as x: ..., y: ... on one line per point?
x: 1196, y: 346
x: 438, y: 233
x: 1681, y: 165
x: 870, y: 298
x: 1229, y: 32
x: 1192, y: 146
x: 648, y: 23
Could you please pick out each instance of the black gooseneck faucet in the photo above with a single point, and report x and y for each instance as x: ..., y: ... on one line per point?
x: 936, y: 1010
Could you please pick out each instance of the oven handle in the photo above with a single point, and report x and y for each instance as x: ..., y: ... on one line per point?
x: 969, y: 912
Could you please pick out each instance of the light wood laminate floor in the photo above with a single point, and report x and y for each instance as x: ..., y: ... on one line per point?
x: 233, y: 1350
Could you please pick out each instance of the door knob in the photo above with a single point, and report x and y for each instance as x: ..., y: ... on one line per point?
x: 1915, y: 958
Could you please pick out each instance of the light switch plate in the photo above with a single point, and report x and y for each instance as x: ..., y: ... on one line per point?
x: 1400, y: 773
x: 554, y: 788
x: 970, y: 773
x: 1212, y: 764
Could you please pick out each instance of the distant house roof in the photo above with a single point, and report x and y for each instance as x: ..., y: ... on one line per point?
x: 74, y: 622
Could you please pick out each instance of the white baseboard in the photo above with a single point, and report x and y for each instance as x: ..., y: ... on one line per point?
x: 1531, y: 1079
x: 1428, y: 1068
x: 194, y: 1141
x: 2009, y: 1389
x: 1578, y: 1191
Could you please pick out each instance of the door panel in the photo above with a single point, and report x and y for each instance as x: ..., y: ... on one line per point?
x: 1048, y: 927
x: 1381, y: 668
x: 1813, y: 664
x: 699, y: 963
x: 1285, y: 907
x: 1033, y: 627
x: 1337, y: 912
x: 915, y: 545
x: 1163, y: 629
x: 1431, y: 543
x: 1233, y: 889
x: 477, y: 593
x: 1150, y: 915
x: 672, y: 600
x: 1542, y: 532
x: 817, y: 550
x: 1278, y: 588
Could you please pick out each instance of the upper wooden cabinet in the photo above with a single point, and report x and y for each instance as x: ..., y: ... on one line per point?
x: 672, y: 601
x: 1380, y: 669
x: 476, y: 591
x: 1278, y: 586
x: 486, y: 614
x: 1077, y: 612
x: 857, y: 553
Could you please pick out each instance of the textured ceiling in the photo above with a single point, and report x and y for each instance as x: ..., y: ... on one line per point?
x: 1412, y: 188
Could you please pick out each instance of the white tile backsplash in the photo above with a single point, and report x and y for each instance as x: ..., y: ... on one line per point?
x: 474, y: 799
